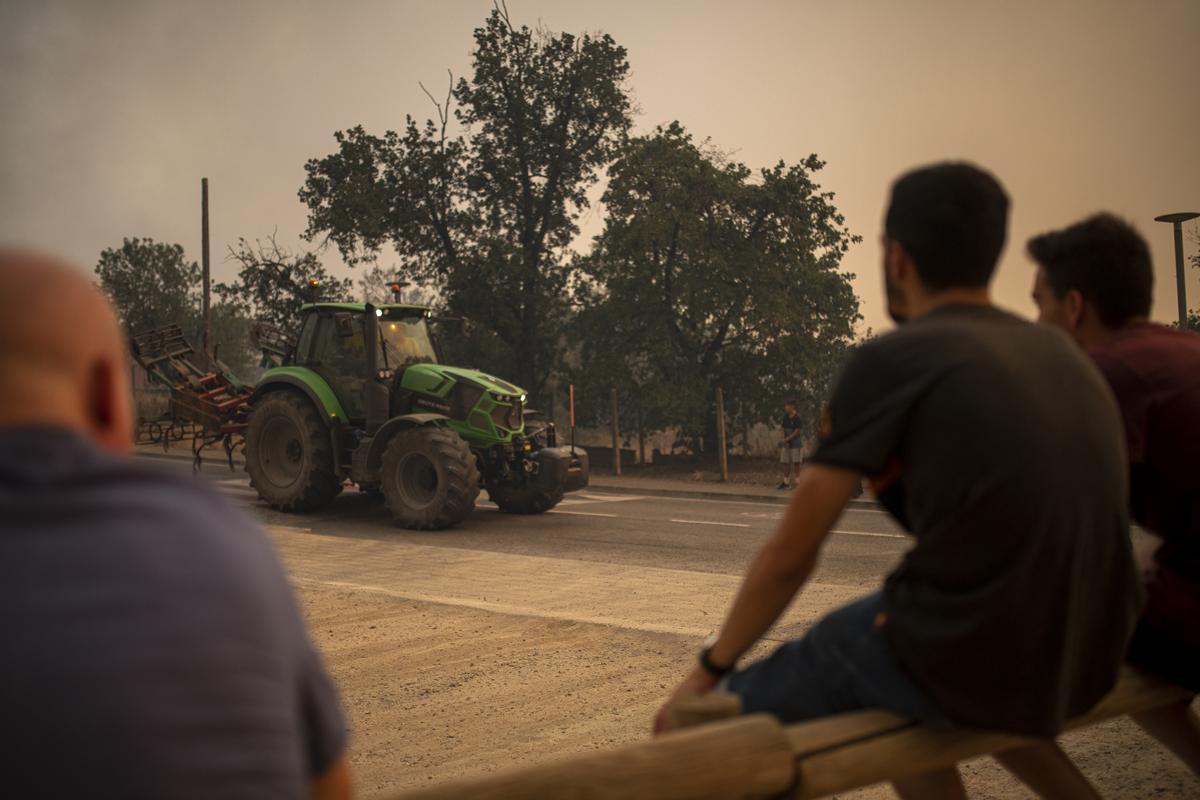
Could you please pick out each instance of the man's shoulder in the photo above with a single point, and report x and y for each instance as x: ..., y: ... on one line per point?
x: 1149, y: 346
x: 946, y: 335
x: 55, y: 479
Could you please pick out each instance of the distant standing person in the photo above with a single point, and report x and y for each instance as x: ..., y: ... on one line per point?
x: 152, y: 645
x: 790, y: 452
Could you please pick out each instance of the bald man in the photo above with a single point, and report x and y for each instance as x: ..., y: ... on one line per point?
x: 151, y: 644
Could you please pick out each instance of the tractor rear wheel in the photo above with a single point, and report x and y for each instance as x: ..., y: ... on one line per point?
x: 289, y: 453
x: 525, y: 500
x: 429, y: 478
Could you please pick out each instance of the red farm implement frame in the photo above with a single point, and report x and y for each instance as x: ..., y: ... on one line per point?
x: 208, y: 402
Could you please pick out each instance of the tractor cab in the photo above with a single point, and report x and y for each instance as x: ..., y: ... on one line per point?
x: 332, y: 343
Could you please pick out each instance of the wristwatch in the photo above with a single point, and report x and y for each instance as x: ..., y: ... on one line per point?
x: 710, y: 666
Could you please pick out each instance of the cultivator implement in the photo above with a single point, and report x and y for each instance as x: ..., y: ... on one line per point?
x: 208, y: 402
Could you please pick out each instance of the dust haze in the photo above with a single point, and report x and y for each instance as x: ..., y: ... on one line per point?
x: 113, y: 111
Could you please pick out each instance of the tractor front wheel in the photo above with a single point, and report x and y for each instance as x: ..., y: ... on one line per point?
x: 429, y: 478
x: 289, y: 453
x: 525, y: 500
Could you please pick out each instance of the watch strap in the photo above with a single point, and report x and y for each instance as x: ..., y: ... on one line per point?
x: 710, y: 666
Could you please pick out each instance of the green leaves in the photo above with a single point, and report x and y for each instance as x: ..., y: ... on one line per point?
x: 151, y: 284
x: 711, y: 275
x: 486, y: 212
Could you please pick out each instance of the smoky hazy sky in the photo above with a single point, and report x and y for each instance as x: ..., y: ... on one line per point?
x: 113, y: 111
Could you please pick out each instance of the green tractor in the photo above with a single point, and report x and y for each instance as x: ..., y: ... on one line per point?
x: 362, y: 397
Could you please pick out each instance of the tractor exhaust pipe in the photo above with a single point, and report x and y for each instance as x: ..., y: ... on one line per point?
x: 375, y: 394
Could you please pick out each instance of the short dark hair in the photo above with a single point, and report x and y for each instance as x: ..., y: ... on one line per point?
x: 1105, y: 259
x: 951, y: 218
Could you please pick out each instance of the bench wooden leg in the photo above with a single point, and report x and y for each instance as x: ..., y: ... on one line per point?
x: 941, y: 784
x: 1176, y: 728
x: 1045, y: 769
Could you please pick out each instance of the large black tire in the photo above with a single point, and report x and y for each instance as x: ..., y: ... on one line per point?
x: 289, y: 453
x: 525, y: 500
x: 429, y: 478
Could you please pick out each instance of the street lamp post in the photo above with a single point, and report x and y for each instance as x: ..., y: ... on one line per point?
x: 1177, y: 221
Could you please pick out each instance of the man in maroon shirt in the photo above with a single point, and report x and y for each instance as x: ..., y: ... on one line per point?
x: 1095, y: 282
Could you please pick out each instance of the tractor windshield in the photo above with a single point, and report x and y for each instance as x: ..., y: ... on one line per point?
x: 404, y: 342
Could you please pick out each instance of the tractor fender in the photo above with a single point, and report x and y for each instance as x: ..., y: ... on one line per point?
x: 379, y: 441
x: 312, y: 385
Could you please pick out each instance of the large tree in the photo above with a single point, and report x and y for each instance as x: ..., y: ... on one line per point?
x: 707, y: 275
x: 487, y: 212
x: 151, y: 284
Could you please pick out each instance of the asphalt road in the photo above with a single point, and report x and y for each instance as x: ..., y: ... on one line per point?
x: 699, y: 536
x: 703, y: 535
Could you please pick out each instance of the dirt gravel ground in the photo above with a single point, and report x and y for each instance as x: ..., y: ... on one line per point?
x: 436, y: 691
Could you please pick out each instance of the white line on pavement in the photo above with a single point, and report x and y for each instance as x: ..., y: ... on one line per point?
x: 582, y: 513
x: 581, y: 498
x: 878, y: 535
x: 706, y: 522
x: 759, y: 503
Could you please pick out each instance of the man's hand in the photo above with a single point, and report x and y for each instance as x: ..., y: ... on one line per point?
x: 699, y: 681
x: 778, y: 571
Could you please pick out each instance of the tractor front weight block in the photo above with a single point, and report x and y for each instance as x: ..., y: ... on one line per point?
x: 561, y: 469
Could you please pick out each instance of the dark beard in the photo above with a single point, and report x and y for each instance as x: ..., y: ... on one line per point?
x: 894, y: 299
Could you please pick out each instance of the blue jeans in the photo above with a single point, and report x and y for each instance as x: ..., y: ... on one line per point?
x: 842, y: 664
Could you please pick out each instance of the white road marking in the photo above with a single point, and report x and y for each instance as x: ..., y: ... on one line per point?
x: 758, y: 503
x: 878, y: 535
x: 581, y: 499
x: 582, y: 513
x: 706, y: 522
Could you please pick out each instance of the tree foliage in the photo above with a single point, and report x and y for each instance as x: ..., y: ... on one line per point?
x: 708, y: 274
x: 273, y: 282
x: 151, y: 284
x: 487, y: 213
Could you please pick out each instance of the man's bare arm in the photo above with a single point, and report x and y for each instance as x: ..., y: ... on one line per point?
x: 786, y: 560
x: 778, y: 571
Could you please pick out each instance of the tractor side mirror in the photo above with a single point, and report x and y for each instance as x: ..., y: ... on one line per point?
x: 343, y: 323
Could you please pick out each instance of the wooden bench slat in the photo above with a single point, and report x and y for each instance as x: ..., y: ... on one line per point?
x: 746, y: 757
x: 812, y: 737
x: 913, y: 750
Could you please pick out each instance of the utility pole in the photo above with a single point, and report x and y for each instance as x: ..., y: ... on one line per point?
x: 206, y: 311
x: 723, y: 455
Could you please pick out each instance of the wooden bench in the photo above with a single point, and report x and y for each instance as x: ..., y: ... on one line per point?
x: 756, y: 757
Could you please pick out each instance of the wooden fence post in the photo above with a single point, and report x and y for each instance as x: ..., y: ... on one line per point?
x: 616, y: 436
x: 722, y: 454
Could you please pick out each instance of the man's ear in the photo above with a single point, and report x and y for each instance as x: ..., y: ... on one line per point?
x: 1073, y: 307
x: 899, y: 262
x: 109, y: 406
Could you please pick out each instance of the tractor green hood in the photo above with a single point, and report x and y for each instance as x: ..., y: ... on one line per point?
x: 438, y: 380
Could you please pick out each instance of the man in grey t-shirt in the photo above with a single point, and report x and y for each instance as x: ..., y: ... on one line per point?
x: 998, y: 447
x: 152, y: 647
